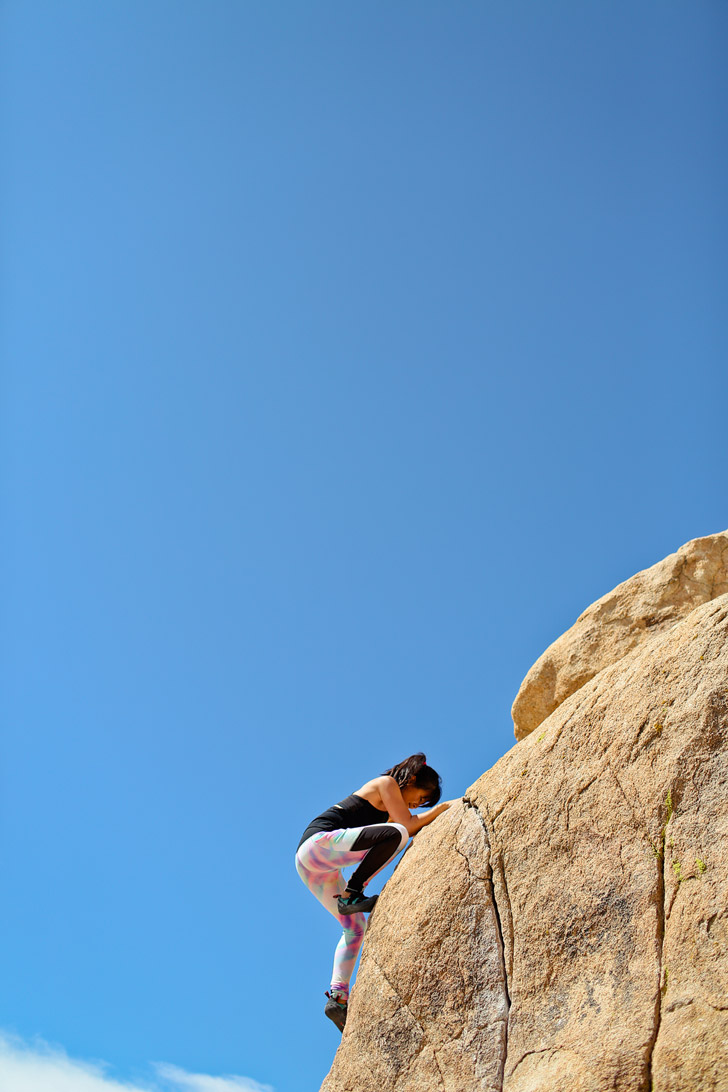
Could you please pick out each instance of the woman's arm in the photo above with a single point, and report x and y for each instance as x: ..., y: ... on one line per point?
x: 398, y: 810
x: 426, y: 817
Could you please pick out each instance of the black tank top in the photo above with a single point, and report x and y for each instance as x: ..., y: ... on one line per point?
x: 352, y: 812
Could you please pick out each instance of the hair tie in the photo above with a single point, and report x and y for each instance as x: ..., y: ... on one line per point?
x: 425, y: 759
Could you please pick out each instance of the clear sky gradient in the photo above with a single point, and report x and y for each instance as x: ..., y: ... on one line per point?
x: 350, y: 351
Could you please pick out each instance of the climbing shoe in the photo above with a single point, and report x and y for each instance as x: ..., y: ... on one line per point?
x: 336, y: 1011
x: 356, y: 904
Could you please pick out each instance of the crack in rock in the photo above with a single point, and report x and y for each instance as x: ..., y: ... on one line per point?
x: 543, y: 1050
x: 426, y: 1041
x: 488, y: 880
x: 661, y: 920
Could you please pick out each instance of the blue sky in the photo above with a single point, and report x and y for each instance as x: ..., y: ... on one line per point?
x: 350, y: 351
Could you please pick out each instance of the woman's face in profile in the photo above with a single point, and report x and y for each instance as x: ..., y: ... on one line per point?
x: 414, y: 797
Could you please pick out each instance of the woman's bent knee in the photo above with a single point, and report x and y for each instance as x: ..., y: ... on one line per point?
x: 403, y: 835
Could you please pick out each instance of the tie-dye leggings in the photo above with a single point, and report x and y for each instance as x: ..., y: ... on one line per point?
x: 319, y: 863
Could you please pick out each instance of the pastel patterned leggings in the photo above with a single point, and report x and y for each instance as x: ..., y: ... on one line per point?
x: 319, y: 863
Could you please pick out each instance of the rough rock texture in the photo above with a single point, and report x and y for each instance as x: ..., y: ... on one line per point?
x: 565, y: 927
x: 634, y: 613
x: 430, y: 1007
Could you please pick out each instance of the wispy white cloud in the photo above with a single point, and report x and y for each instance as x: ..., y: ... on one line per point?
x: 39, y: 1067
x: 202, y: 1082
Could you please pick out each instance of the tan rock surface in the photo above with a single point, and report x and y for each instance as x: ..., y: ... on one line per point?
x: 432, y: 1007
x: 565, y: 928
x: 633, y: 613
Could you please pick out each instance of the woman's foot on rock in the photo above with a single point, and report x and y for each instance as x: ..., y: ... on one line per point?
x: 336, y: 1010
x: 355, y: 903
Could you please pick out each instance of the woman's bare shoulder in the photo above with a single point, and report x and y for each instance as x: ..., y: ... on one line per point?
x: 372, y: 790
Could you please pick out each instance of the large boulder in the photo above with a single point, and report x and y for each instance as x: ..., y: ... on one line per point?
x: 632, y: 614
x: 565, y: 926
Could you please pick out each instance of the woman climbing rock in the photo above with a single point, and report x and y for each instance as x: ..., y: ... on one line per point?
x: 367, y: 829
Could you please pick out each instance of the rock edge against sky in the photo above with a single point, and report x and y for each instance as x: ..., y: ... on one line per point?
x: 565, y: 925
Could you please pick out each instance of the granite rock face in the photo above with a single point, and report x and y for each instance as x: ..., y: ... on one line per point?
x: 631, y: 615
x: 430, y: 1006
x: 565, y: 926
